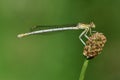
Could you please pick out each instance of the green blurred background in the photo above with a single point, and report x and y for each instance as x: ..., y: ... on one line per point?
x: 58, y: 55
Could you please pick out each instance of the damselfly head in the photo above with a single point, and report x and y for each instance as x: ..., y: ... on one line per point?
x: 92, y: 25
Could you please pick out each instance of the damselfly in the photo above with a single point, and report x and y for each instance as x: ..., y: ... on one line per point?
x: 86, y: 27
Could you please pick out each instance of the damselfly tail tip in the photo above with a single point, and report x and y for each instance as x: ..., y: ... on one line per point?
x: 21, y: 35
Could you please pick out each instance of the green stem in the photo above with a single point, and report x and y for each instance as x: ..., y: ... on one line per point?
x: 84, y: 67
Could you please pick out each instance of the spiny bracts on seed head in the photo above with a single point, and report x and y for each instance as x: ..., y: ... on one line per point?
x: 94, y: 45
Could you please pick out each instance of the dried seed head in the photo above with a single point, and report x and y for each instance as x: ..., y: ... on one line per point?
x: 94, y: 45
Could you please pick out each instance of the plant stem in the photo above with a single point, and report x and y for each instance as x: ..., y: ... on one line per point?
x: 84, y: 67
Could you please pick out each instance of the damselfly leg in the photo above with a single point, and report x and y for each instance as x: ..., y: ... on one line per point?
x: 84, y: 33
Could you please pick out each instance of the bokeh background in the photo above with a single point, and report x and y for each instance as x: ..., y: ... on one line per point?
x: 57, y: 55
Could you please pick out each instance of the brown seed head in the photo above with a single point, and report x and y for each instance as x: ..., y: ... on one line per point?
x: 94, y: 45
